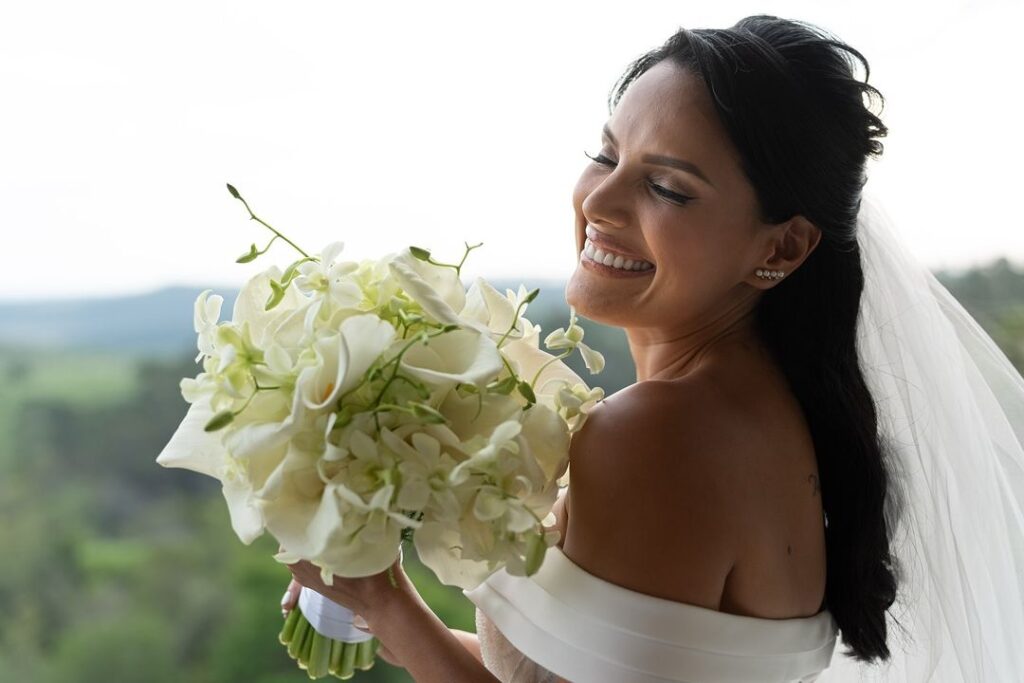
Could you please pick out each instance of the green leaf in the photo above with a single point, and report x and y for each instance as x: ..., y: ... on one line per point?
x: 233, y: 191
x: 246, y: 258
x: 421, y: 254
x: 527, y: 391
x: 219, y: 421
x: 276, y: 294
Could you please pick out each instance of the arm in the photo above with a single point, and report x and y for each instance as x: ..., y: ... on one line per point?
x: 429, y: 650
x: 470, y: 641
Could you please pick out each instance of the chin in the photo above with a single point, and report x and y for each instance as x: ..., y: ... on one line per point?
x: 589, y: 301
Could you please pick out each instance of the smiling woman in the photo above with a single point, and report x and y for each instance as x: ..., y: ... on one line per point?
x: 735, y: 513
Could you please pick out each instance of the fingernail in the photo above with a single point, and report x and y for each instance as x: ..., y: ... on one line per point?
x: 359, y: 622
x: 285, y: 597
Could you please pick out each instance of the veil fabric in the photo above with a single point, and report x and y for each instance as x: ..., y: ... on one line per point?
x: 951, y: 408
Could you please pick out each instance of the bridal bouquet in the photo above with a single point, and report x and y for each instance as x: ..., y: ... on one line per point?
x: 349, y: 406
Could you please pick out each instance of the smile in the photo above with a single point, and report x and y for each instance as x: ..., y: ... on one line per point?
x: 613, y: 260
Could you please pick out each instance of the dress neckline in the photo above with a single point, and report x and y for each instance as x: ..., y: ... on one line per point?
x: 585, y: 628
x: 680, y: 623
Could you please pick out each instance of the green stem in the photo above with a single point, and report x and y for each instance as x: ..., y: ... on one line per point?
x: 254, y: 217
x: 334, y: 663
x: 301, y: 628
x: 288, y: 630
x: 515, y: 319
x: 348, y: 660
x: 541, y: 369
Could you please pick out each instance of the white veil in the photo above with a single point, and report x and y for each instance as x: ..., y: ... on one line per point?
x: 952, y: 408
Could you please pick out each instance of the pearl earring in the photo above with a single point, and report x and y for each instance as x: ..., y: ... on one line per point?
x: 770, y: 274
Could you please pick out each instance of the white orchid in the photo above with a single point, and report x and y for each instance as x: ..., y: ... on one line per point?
x: 205, y: 317
x: 574, y: 401
x: 572, y: 338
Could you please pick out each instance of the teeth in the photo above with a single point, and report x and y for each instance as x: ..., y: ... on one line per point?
x: 614, y: 260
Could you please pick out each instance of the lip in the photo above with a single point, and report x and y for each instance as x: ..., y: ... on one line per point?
x: 610, y: 244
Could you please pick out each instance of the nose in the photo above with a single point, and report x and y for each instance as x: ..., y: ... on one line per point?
x: 606, y: 203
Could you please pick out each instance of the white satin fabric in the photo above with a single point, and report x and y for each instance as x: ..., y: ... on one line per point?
x: 565, y: 622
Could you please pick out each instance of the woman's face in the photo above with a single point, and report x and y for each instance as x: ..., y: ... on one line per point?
x: 667, y: 188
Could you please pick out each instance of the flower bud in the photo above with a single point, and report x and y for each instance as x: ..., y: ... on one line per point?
x: 535, y: 550
x: 219, y: 421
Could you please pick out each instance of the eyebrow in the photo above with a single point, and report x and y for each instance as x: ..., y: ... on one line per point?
x: 662, y: 160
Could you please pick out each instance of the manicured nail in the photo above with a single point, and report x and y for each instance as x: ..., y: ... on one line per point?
x: 359, y: 622
x: 285, y: 597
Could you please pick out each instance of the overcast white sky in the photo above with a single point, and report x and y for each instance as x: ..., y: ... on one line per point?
x: 386, y: 124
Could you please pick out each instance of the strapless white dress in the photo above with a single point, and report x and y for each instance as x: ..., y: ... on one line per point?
x: 564, y: 622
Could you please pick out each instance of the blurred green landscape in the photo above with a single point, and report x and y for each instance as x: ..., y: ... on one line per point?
x: 116, y: 569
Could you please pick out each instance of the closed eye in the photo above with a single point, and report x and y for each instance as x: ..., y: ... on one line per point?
x: 674, y: 197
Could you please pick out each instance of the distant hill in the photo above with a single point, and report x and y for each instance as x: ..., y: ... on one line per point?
x: 157, y: 324
x: 154, y: 324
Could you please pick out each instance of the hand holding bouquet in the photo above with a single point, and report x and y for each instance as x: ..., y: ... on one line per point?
x: 349, y: 406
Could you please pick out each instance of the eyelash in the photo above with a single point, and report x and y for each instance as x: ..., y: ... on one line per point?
x: 667, y: 194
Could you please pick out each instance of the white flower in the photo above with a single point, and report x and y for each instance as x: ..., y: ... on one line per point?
x: 436, y: 289
x: 282, y: 324
x: 573, y: 338
x: 465, y: 356
x: 503, y: 438
x: 205, y: 317
x: 342, y: 359
x: 334, y: 445
x: 486, y: 306
x: 573, y: 402
x: 439, y: 547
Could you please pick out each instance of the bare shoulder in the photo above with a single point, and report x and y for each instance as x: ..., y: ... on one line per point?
x: 652, y: 491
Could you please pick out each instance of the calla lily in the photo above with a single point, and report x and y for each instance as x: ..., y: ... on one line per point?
x: 251, y: 302
x: 487, y: 306
x: 342, y: 359
x: 437, y: 546
x: 464, y: 356
x: 190, y: 447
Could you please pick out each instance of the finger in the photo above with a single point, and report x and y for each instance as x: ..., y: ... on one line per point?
x: 290, y: 597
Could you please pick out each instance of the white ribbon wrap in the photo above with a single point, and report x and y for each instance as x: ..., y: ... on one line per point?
x: 330, y: 619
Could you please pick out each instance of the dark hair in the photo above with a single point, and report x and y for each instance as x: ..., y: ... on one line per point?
x: 787, y: 97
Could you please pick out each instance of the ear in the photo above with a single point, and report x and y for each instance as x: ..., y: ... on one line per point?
x: 791, y: 242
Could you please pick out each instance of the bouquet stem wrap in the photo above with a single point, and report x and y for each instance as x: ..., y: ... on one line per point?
x: 330, y: 619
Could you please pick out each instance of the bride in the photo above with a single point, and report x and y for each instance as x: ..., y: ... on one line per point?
x: 820, y: 446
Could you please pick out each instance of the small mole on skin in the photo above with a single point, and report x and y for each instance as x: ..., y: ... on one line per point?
x: 789, y: 550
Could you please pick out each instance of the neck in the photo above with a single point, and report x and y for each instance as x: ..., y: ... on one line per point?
x: 663, y: 354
